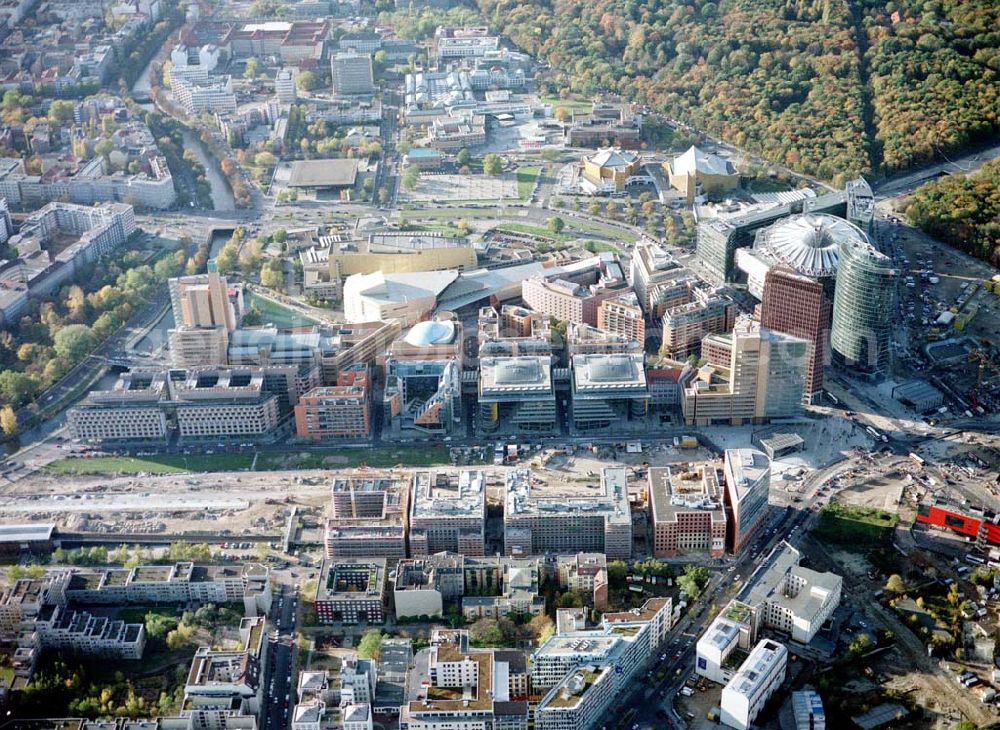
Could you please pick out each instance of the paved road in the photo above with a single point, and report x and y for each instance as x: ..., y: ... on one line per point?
x: 279, y: 688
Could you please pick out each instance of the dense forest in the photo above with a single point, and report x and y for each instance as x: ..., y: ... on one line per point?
x: 964, y: 211
x: 935, y: 76
x: 827, y: 88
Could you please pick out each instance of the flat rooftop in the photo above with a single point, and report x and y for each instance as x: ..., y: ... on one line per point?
x: 339, y: 173
x: 515, y: 378
x: 609, y: 375
x: 26, y: 533
x: 672, y: 492
x: 530, y: 494
x: 756, y: 670
x: 745, y: 469
x: 438, y: 494
x: 347, y: 579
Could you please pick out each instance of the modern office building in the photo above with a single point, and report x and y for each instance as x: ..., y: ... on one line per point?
x: 726, y: 643
x: 582, y: 339
x: 758, y: 678
x: 574, y: 664
x: 367, y: 515
x: 132, y: 410
x: 685, y: 325
x: 791, y: 599
x: 517, y: 393
x: 422, y: 396
x: 764, y: 380
x: 863, y: 307
x: 541, y: 518
x: 204, y: 318
x: 686, y: 511
x: 448, y: 512
x: 747, y: 474
x: 860, y: 205
x: 696, y: 173
x: 334, y: 412
x: 808, y: 243
x: 719, y: 238
x: 609, y: 170
x: 214, y: 95
x: 351, y: 591
x: 608, y: 390
x: 455, y: 43
x: 659, y: 280
x: 795, y: 304
x: 569, y: 301
x: 284, y: 85
x: 580, y: 701
x: 223, y: 403
x: 194, y: 404
x: 352, y: 73
x: 622, y: 316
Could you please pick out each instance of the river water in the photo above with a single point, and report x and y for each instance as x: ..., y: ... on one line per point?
x: 222, y: 196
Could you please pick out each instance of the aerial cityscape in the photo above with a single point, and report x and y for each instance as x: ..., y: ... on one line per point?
x: 488, y: 365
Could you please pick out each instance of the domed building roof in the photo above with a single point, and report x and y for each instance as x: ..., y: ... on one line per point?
x: 434, y: 332
x: 810, y: 242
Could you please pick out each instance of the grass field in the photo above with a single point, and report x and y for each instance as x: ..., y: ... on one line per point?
x: 272, y: 460
x: 535, y: 231
x: 339, y: 458
x: 576, y: 105
x: 855, y: 526
x: 275, y: 314
x: 163, y: 464
x: 526, y: 177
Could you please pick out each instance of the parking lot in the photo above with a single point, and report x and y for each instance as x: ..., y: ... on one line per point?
x: 443, y: 188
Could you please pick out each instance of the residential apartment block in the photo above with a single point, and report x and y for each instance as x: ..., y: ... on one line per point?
x: 181, y: 583
x: 351, y: 591
x: 468, y: 688
x: 223, y: 684
x: 623, y: 316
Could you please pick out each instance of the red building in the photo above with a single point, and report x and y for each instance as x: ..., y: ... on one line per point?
x: 795, y: 304
x: 967, y: 525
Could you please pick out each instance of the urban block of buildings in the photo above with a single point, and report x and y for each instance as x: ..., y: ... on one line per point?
x: 542, y: 518
x: 687, y: 511
x: 56, y: 244
x: 367, y: 515
x: 351, y: 591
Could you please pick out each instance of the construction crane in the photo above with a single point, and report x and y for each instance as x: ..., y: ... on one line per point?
x: 984, y: 361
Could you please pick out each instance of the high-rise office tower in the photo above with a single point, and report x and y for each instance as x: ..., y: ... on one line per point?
x: 203, y: 317
x: 863, y: 307
x: 796, y: 304
x: 352, y: 73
